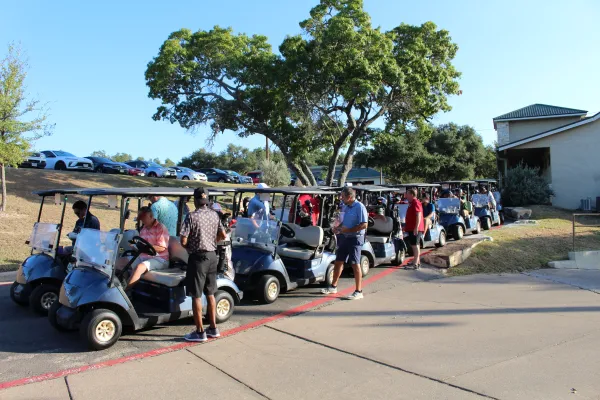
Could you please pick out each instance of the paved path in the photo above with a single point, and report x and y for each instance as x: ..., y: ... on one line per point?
x: 475, y: 337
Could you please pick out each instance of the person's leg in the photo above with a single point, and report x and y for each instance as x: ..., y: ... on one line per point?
x: 357, y: 277
x: 139, y: 270
x: 338, y: 268
x: 210, y: 288
x: 417, y: 252
x: 354, y: 259
x: 193, y: 286
x: 197, y: 311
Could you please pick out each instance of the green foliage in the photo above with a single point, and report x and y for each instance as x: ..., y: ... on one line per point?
x: 236, y: 158
x: 100, y: 153
x: 122, y: 157
x: 525, y: 186
x: 169, y: 163
x: 17, y: 133
x: 275, y: 173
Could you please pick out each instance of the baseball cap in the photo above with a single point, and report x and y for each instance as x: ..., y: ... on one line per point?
x: 262, y: 186
x: 201, y: 194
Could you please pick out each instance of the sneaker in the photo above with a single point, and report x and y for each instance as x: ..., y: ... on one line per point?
x: 355, y: 296
x: 196, y: 336
x: 329, y: 290
x: 213, y: 332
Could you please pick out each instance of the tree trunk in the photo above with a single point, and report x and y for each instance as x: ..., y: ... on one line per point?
x: 297, y: 169
x: 307, y: 171
x: 347, y: 163
x: 332, y: 164
x: 4, y: 199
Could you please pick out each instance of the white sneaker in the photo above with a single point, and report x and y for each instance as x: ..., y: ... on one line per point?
x: 329, y: 290
x: 355, y: 296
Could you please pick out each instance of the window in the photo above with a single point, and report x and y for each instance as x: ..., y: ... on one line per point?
x: 48, y: 154
x: 63, y: 154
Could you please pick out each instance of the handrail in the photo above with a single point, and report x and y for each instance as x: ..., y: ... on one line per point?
x: 590, y: 226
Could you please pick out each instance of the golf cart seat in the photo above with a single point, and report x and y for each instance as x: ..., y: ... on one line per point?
x: 127, y: 236
x: 304, y: 243
x: 381, y: 230
x: 173, y: 276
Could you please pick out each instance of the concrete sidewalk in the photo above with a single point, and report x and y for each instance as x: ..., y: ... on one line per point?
x: 505, y: 337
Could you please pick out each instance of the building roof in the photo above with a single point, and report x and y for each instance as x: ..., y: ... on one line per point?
x: 550, y: 132
x: 355, y: 172
x: 535, y: 111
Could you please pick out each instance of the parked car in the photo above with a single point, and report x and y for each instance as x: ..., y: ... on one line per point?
x: 107, y: 166
x: 217, y: 175
x: 61, y: 160
x: 132, y: 171
x: 35, y: 160
x: 188, y: 174
x: 255, y: 175
x: 239, y: 178
x: 152, y: 169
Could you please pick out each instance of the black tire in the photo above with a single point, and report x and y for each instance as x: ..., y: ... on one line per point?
x: 221, y: 180
x: 14, y: 297
x: 268, y: 289
x: 224, y: 306
x: 400, y: 257
x: 501, y: 218
x: 477, y: 227
x: 487, y: 224
x: 365, y: 265
x: 60, y: 166
x: 329, y: 275
x: 42, y: 297
x: 152, y: 175
x: 100, y: 329
x: 442, y: 239
x: 185, y: 178
x: 52, y: 317
x: 457, y: 232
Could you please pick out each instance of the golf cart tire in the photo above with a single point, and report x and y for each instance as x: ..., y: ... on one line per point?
x: 457, y: 232
x: 262, y: 289
x: 90, y: 323
x: 329, y: 275
x: 501, y: 217
x: 487, y: 224
x: 60, y: 166
x: 400, y: 257
x: 365, y: 265
x: 52, y: 317
x: 14, y: 298
x: 220, y: 297
x: 478, y: 227
x: 41, y: 295
x: 442, y: 240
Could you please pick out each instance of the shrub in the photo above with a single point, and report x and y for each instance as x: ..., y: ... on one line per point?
x: 275, y: 174
x: 524, y: 186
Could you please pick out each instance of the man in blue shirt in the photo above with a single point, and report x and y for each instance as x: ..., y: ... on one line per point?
x: 165, y: 212
x: 257, y: 208
x: 351, y: 231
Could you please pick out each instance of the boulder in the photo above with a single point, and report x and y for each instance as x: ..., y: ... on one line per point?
x: 517, y: 213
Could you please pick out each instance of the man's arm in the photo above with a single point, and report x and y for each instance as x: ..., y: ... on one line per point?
x: 357, y: 228
x: 418, y: 222
x: 184, y: 241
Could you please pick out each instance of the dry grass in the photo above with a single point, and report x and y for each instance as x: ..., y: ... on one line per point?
x: 23, y: 206
x: 525, y: 247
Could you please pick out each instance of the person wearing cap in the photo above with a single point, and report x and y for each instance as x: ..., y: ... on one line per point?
x: 201, y: 231
x: 165, y: 212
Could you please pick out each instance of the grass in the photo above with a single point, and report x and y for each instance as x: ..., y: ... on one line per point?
x: 525, y: 247
x: 16, y: 223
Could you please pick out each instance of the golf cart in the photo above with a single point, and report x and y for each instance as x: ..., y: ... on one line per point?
x: 41, y: 274
x: 436, y: 235
x: 490, y: 185
x: 487, y: 216
x: 92, y: 297
x: 273, y: 256
x: 384, y: 241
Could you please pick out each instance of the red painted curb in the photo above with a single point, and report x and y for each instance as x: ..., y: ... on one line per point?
x: 179, y: 346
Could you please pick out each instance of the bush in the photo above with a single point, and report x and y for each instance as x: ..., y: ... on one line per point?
x: 275, y: 174
x: 524, y: 186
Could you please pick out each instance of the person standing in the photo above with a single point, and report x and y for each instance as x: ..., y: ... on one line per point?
x: 165, y: 212
x: 201, y: 231
x: 351, y: 237
x: 414, y: 226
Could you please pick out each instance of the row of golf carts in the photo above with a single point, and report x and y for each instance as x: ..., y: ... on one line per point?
x: 85, y: 290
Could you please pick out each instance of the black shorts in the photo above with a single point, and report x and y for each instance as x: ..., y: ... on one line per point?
x: 412, y: 238
x: 201, y: 274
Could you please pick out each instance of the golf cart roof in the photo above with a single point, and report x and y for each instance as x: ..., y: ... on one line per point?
x: 146, y: 191
x: 462, y: 182
x: 52, y: 192
x: 420, y: 185
x: 375, y: 188
x: 485, y: 180
x: 286, y: 190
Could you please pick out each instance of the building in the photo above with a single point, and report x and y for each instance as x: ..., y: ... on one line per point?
x: 563, y: 142
x: 365, y: 176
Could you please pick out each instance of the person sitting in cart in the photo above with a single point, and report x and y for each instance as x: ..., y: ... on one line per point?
x: 92, y: 222
x: 158, y: 236
x: 466, y: 207
x: 491, y: 198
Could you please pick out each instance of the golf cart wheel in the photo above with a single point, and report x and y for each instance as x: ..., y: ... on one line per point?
x: 487, y: 224
x: 52, y: 317
x: 400, y: 257
x: 442, y: 240
x: 501, y: 216
x: 365, y: 265
x: 224, y: 306
x: 457, y: 232
x: 152, y: 175
x: 329, y: 275
x: 477, y: 227
x: 268, y: 289
x: 60, y: 166
x: 42, y: 298
x: 14, y: 297
x: 100, y: 329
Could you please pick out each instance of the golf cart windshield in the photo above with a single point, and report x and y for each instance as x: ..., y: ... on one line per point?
x: 97, y: 249
x: 480, y: 200
x: 258, y: 233
x: 402, y: 208
x: 448, y: 206
x: 43, y: 237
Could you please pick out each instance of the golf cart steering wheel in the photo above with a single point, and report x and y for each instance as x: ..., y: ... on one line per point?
x: 143, y: 246
x: 371, y: 222
x: 287, y: 231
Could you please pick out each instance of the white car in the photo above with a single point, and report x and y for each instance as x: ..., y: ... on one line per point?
x: 189, y: 174
x: 61, y: 160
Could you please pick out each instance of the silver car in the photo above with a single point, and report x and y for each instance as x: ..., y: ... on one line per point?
x: 152, y: 169
x: 186, y: 174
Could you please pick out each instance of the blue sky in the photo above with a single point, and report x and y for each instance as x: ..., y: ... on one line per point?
x: 88, y: 60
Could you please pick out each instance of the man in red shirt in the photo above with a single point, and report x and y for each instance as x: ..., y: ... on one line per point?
x: 414, y: 226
